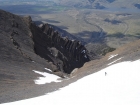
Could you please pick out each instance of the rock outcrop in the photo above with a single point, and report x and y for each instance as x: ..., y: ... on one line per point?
x: 66, y: 54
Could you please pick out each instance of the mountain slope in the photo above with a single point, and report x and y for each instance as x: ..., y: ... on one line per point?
x: 97, y: 89
x: 115, y: 84
x: 16, y: 46
x: 25, y: 47
x: 17, y: 56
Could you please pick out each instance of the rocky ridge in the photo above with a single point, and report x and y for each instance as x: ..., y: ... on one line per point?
x: 44, y: 45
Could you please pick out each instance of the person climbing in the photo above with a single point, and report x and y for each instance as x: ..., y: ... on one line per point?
x: 105, y: 73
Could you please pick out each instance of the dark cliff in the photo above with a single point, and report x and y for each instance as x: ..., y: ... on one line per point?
x: 66, y: 54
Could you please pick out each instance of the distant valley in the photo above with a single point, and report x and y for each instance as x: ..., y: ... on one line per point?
x: 90, y: 20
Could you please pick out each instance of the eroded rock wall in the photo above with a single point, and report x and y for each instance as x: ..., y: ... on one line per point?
x: 65, y: 53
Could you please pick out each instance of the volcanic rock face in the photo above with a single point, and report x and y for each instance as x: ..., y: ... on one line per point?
x: 66, y: 54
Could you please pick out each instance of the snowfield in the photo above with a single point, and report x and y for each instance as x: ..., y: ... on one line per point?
x: 120, y: 86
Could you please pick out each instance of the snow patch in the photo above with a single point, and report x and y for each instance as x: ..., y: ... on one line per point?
x: 48, y: 69
x: 48, y: 78
x: 85, y: 56
x: 84, y: 51
x: 112, y: 56
x: 115, y: 61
